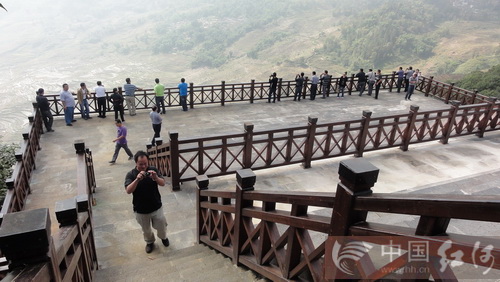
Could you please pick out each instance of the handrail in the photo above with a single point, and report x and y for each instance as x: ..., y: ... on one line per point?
x: 276, y: 233
x: 480, y: 207
x: 250, y: 92
x: 225, y: 154
x: 72, y: 251
x: 19, y: 183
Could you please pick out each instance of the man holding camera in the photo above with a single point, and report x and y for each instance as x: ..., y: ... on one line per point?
x: 142, y: 182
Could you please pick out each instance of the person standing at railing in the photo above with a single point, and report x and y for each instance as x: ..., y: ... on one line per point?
x: 342, y: 85
x: 183, y: 93
x: 408, y: 75
x: 117, y: 100
x: 361, y: 81
x: 120, y: 141
x: 156, y: 121
x: 83, y: 95
x: 273, y: 84
x: 401, y: 78
x: 371, y: 81
x: 130, y: 96
x: 326, y: 80
x: 43, y: 105
x: 100, y: 94
x: 299, y: 83
x: 142, y: 182
x: 378, y: 82
x: 68, y: 102
x: 411, y: 87
x: 159, y: 96
x: 419, y: 74
x: 314, y: 85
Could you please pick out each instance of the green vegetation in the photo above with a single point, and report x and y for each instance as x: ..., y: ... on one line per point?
x: 352, y: 34
x: 487, y: 83
x: 267, y: 42
x: 219, y: 25
x: 7, y: 159
x: 402, y: 34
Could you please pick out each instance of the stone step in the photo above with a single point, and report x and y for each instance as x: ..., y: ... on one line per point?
x: 196, y: 263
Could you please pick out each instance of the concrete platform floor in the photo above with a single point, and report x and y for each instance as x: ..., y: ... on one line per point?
x: 118, y: 236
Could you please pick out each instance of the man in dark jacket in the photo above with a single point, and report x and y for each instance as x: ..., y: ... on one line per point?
x: 43, y: 105
x: 361, y: 81
x: 273, y: 84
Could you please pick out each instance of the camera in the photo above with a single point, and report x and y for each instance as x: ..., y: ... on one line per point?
x: 147, y: 174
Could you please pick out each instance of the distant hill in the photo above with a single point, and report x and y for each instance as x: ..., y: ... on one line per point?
x: 441, y: 37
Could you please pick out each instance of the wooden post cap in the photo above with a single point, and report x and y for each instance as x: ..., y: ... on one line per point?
x: 79, y: 146
x: 246, y: 178
x: 82, y: 202
x: 202, y: 182
x: 66, y: 212
x: 25, y: 235
x: 359, y: 174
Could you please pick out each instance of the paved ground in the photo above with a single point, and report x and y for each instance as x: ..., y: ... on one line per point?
x: 118, y: 237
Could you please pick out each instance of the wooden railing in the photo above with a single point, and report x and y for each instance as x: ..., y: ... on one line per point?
x: 19, y: 183
x: 69, y: 255
x: 184, y: 159
x: 290, y: 235
x: 249, y: 92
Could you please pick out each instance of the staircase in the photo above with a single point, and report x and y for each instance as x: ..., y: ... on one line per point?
x: 196, y: 263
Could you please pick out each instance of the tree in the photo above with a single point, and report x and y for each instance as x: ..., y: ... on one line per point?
x: 7, y: 159
x: 487, y: 83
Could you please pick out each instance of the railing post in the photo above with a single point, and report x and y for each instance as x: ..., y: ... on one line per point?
x: 448, y: 95
x: 245, y: 179
x: 280, y: 82
x: 90, y: 171
x: 202, y: 184
x: 89, y: 251
x: 191, y: 95
x: 406, y: 138
x: 365, y: 124
x: 451, y: 121
x: 429, y: 85
x: 82, y: 184
x: 304, y: 89
x: 486, y: 119
x: 174, y: 159
x: 25, y: 240
x: 357, y: 177
x: 473, y: 98
x: 222, y: 92
x: 391, y: 83
x: 311, y: 135
x: 247, y: 150
x: 252, y: 90
x: 351, y: 83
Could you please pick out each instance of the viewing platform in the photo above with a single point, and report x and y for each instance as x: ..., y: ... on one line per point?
x: 466, y: 165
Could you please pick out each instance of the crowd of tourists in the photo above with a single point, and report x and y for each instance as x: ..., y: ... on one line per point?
x: 143, y: 180
x: 323, y: 83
